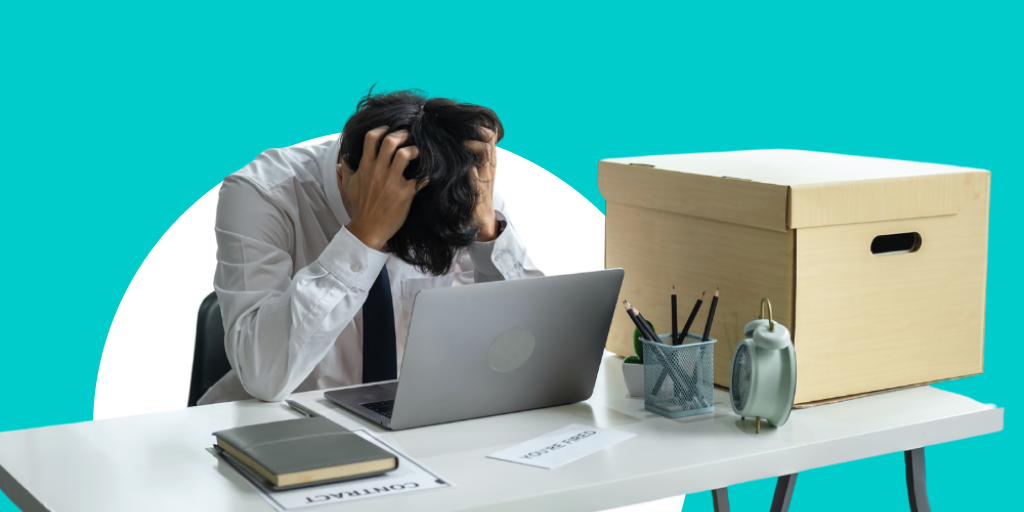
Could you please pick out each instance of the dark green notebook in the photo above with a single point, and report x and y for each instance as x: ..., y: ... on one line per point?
x: 305, y: 451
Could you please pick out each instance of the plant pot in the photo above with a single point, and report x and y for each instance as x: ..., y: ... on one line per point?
x: 634, y: 375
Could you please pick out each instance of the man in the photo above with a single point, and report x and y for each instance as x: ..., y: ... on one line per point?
x: 323, y: 247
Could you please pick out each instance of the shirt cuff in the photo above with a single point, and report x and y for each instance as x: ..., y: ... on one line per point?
x: 503, y: 256
x: 352, y: 261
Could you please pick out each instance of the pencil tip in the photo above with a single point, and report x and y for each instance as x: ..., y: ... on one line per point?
x: 716, y: 292
x: 673, y: 288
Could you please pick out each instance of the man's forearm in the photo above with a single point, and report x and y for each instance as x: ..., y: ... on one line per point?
x: 276, y: 340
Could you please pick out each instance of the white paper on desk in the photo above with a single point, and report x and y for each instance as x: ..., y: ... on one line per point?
x: 562, y: 446
x: 409, y: 477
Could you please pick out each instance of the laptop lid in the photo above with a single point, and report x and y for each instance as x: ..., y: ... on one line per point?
x: 494, y: 348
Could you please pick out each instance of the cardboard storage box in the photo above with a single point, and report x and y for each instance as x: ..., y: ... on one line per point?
x: 877, y: 266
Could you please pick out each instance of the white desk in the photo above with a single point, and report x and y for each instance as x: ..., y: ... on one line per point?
x: 159, y: 462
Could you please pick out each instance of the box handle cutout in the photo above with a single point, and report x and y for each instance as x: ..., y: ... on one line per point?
x: 899, y: 243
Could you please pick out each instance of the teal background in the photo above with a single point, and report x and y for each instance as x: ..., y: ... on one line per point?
x: 116, y: 117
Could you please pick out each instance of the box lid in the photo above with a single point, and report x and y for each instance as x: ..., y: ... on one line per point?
x: 782, y: 189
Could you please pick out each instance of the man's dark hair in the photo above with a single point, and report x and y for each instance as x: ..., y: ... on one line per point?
x: 440, y: 220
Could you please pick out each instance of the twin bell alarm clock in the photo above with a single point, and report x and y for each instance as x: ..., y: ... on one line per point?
x: 763, y: 381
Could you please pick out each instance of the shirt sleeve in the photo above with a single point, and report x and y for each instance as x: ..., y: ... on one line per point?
x: 277, y: 326
x: 503, y: 258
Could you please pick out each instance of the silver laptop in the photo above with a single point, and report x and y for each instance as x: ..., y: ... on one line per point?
x: 494, y: 348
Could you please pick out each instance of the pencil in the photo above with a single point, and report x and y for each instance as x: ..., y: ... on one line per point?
x: 693, y: 314
x: 651, y: 335
x: 675, y: 323
x: 711, y: 317
x: 629, y: 311
x: 641, y: 324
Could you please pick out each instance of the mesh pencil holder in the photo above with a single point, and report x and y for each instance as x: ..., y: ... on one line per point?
x: 679, y: 380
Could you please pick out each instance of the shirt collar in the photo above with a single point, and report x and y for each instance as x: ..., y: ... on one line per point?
x: 329, y: 168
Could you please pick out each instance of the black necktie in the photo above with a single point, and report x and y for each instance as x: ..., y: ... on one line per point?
x: 380, y: 361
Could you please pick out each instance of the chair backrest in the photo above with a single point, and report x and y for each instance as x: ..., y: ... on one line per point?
x: 209, y: 362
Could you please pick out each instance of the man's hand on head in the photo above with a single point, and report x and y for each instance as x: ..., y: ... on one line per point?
x: 379, y: 196
x: 486, y: 151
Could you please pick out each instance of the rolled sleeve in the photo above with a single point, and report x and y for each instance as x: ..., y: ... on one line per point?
x: 501, y: 258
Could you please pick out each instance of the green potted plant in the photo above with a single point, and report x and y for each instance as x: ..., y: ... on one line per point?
x: 633, y: 366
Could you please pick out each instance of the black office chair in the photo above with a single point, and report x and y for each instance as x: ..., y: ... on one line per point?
x: 209, y: 361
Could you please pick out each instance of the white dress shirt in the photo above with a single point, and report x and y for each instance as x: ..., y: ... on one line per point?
x: 291, y: 280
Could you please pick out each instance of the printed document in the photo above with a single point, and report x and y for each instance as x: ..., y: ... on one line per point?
x: 562, y: 446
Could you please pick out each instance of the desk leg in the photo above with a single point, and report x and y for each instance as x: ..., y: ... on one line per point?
x: 916, y: 489
x: 783, y: 493
x: 721, y: 499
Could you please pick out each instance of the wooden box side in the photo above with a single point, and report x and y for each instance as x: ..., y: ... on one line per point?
x: 870, y: 322
x: 658, y: 249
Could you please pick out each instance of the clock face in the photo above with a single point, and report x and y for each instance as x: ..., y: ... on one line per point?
x: 742, y: 369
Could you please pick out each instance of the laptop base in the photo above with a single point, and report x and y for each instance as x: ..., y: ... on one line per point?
x: 354, y: 399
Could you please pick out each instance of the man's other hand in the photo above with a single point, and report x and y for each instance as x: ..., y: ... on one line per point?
x: 486, y: 151
x: 379, y: 196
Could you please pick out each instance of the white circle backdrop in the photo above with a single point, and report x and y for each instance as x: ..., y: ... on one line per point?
x: 147, y: 359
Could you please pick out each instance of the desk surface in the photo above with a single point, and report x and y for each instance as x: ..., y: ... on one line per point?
x: 159, y: 462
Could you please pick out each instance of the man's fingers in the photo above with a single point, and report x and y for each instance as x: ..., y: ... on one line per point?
x: 488, y: 135
x: 391, y: 143
x: 480, y: 177
x: 482, y: 150
x: 478, y: 147
x: 424, y: 182
x: 371, y: 142
x: 402, y: 158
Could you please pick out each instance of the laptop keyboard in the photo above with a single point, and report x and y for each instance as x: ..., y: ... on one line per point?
x: 383, y: 407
